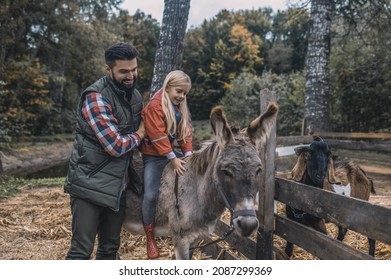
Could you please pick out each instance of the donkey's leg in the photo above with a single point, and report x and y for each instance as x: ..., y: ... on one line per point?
x: 181, y: 248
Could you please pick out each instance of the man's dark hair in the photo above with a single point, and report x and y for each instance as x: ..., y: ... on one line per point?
x: 120, y: 51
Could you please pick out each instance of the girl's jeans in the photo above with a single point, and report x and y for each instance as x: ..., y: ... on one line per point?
x: 153, y: 169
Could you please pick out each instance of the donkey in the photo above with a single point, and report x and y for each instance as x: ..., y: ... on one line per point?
x: 224, y: 173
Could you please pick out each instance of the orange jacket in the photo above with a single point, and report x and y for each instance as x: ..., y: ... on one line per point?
x: 157, y: 141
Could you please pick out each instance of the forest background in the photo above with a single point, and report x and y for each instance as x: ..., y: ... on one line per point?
x: 51, y: 50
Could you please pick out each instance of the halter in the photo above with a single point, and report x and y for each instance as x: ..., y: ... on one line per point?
x: 234, y: 214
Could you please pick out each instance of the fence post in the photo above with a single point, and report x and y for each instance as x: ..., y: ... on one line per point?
x: 266, y: 190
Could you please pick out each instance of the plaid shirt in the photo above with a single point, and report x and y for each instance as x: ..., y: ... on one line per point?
x: 98, y: 113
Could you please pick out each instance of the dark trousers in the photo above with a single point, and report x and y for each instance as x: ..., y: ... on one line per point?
x: 89, y: 220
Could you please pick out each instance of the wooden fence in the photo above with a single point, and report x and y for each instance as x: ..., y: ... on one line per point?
x: 360, y: 216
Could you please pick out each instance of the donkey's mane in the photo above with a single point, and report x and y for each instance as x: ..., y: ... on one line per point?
x: 207, y: 155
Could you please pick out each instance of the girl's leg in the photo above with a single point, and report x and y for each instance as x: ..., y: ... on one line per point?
x: 153, y: 169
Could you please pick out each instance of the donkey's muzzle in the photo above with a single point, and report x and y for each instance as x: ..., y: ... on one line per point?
x: 245, y: 225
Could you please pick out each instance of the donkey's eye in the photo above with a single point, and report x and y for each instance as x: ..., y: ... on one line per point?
x: 258, y: 172
x: 227, y: 173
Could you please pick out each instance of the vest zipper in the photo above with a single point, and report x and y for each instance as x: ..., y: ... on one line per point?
x: 99, y: 167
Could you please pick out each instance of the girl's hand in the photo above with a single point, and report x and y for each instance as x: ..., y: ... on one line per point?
x: 141, y: 130
x: 179, y: 166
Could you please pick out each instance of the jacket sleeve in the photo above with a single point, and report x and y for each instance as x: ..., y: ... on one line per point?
x: 153, y: 118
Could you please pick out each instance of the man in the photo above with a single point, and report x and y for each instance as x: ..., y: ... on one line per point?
x: 107, y: 132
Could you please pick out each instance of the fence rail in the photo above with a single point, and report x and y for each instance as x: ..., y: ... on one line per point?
x: 352, y: 141
x: 361, y: 216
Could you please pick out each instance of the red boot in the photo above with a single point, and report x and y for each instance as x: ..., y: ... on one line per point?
x: 152, y: 249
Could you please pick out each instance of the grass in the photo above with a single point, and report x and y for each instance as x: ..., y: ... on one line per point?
x: 9, y: 185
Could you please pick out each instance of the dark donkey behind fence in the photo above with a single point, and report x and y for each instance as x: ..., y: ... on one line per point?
x: 225, y: 173
x: 315, y: 166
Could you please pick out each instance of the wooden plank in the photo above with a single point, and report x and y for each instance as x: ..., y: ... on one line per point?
x: 264, y: 244
x: 316, y: 243
x: 312, y: 241
x: 358, y: 215
x: 217, y: 251
x: 353, y: 145
x: 359, y: 145
x: 293, y: 140
x: 354, y: 135
x: 245, y: 246
x: 264, y: 249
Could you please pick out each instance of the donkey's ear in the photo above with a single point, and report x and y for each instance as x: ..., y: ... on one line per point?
x: 260, y: 128
x: 220, y: 126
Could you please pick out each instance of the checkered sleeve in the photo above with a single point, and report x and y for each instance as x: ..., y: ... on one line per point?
x: 98, y: 113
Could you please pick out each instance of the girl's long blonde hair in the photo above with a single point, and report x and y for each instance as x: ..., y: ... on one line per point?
x: 180, y: 79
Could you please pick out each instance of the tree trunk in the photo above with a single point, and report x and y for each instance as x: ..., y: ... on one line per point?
x: 1, y: 166
x: 317, y: 92
x: 170, y: 46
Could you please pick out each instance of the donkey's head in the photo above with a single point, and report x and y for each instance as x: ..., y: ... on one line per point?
x: 238, y: 167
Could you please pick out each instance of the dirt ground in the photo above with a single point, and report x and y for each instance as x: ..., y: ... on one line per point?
x: 36, y: 223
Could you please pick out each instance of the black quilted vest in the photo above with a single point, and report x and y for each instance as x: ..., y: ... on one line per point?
x: 93, y: 174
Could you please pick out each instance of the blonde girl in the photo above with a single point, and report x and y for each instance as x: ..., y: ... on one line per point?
x: 166, y: 119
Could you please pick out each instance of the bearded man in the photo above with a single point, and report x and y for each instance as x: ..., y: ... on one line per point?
x: 108, y: 130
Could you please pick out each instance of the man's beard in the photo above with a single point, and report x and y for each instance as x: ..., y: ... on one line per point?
x: 129, y: 89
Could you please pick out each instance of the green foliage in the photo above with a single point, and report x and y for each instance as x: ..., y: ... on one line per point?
x: 143, y: 32
x: 290, y: 91
x: 235, y: 42
x: 290, y: 94
x: 201, y: 131
x: 242, y: 102
x: 52, y: 50
x: 360, y: 77
x: 25, y: 100
x: 217, y: 52
x: 288, y: 46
